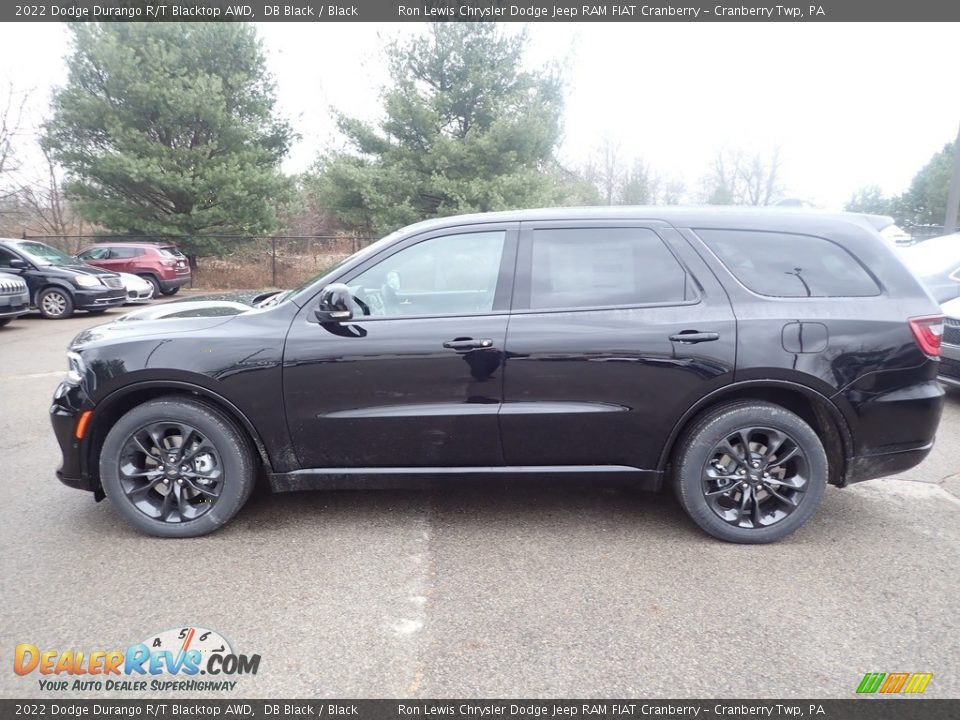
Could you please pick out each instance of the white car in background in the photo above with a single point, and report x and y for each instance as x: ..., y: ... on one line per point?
x: 936, y: 263
x: 139, y: 291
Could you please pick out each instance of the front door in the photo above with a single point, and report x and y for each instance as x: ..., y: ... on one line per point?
x: 415, y: 379
x: 617, y: 328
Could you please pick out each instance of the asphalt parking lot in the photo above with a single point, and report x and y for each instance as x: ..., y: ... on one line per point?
x: 492, y: 590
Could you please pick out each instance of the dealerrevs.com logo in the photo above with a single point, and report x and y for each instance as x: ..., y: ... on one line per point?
x: 172, y: 660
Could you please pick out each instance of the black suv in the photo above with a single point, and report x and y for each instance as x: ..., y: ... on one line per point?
x: 58, y: 283
x: 747, y: 358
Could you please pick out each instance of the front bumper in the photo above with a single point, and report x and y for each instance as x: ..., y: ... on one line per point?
x: 949, y: 365
x: 84, y: 299
x: 14, y: 305
x: 68, y: 403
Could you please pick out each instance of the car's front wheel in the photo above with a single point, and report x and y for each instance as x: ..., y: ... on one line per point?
x: 750, y: 472
x: 55, y: 303
x: 177, y: 467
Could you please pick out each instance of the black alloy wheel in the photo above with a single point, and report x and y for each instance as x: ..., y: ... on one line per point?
x: 750, y: 471
x: 171, y: 472
x: 755, y: 477
x: 177, y: 466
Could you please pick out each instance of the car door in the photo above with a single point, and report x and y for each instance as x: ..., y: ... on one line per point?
x: 617, y: 328
x: 415, y: 379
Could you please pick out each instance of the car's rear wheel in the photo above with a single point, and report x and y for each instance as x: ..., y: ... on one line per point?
x: 750, y: 472
x: 153, y: 281
x: 177, y: 467
x: 55, y: 303
x: 171, y: 291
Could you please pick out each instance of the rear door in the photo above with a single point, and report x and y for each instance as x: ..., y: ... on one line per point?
x: 617, y: 328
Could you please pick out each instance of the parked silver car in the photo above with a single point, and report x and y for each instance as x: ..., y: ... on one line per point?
x: 936, y: 263
x: 14, y: 298
x: 950, y: 346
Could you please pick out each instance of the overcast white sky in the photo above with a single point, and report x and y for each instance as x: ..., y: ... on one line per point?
x: 849, y: 104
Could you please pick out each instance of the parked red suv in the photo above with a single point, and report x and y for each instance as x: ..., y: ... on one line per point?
x: 164, y: 266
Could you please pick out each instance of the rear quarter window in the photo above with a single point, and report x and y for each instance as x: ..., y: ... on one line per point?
x: 788, y: 265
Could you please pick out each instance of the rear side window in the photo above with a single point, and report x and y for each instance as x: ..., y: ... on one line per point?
x: 602, y: 267
x: 123, y: 253
x: 784, y: 265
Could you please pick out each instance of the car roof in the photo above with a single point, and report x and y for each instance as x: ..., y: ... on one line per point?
x: 770, y: 218
x: 130, y: 243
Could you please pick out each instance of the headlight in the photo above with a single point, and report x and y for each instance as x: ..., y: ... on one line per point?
x: 75, y: 368
x: 86, y: 281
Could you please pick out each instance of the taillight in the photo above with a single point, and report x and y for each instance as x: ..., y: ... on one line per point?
x: 928, y: 331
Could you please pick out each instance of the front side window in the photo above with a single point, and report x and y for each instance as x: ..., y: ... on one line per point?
x: 99, y: 253
x: 784, y: 265
x: 603, y: 267
x: 448, y: 275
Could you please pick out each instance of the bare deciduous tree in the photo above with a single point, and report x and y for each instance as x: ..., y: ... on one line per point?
x: 739, y: 179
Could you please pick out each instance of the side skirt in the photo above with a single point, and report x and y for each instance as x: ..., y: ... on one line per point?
x: 425, y: 477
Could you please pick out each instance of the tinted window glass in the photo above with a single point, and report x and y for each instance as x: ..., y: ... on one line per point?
x: 598, y: 267
x: 171, y: 251
x: 783, y: 265
x: 453, y: 274
x: 122, y: 253
x: 95, y: 253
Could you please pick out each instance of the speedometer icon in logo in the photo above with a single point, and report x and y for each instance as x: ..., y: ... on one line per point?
x: 181, y: 640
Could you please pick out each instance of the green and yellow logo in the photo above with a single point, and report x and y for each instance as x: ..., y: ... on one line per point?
x: 893, y: 683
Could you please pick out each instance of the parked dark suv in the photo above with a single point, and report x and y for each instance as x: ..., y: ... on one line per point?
x: 162, y: 265
x: 58, y: 283
x: 746, y: 358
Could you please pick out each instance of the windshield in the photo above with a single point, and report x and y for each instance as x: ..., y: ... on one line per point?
x: 45, y: 255
x: 934, y: 256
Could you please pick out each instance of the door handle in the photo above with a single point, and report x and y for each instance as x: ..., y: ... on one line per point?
x: 691, y: 337
x: 468, y: 344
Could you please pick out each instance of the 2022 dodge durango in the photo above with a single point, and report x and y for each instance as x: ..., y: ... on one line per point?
x: 745, y: 358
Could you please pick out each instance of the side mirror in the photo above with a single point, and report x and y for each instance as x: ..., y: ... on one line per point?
x: 335, y: 301
x: 17, y: 264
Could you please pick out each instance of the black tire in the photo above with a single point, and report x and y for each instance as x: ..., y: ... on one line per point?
x: 153, y: 281
x: 779, y: 495
x: 171, y: 291
x: 232, y: 457
x: 55, y: 303
x: 4, y: 321
x: 97, y: 311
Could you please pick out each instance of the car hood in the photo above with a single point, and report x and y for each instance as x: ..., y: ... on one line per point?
x: 81, y: 268
x: 184, y: 309
x: 156, y: 320
x: 245, y: 297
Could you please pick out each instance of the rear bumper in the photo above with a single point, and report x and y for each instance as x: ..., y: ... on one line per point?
x: 178, y: 281
x: 868, y: 467
x: 896, y: 432
x: 66, y: 407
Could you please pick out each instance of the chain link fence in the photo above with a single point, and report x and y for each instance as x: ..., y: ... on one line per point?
x: 278, y: 261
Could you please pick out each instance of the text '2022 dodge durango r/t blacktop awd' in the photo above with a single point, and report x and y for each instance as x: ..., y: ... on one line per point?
x: 747, y: 358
